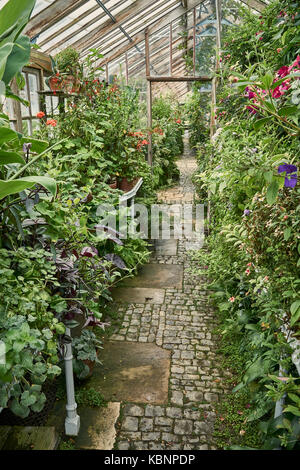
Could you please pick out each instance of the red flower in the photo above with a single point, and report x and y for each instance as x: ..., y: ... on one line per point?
x: 51, y: 122
x: 178, y: 121
x: 40, y: 115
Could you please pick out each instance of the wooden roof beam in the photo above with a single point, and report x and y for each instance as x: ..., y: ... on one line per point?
x: 51, y: 15
x: 255, y: 5
x: 129, y: 13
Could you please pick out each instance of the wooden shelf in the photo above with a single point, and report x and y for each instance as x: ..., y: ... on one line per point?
x: 59, y: 94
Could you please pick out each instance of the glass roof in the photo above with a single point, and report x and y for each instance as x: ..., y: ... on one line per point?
x: 117, y: 29
x: 106, y: 24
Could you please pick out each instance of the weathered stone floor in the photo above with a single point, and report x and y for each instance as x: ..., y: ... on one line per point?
x: 182, y: 322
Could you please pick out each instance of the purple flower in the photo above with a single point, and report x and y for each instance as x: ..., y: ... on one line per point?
x: 247, y: 212
x: 89, y: 252
x: 27, y: 147
x: 290, y: 173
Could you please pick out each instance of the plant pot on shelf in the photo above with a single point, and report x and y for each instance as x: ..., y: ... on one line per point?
x: 126, y: 185
x: 71, y: 84
x: 55, y: 84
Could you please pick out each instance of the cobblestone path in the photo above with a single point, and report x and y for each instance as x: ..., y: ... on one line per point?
x: 184, y: 325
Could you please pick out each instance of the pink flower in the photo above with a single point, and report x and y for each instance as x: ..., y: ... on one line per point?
x: 232, y: 299
x: 279, y: 50
x: 252, y: 109
x: 248, y: 272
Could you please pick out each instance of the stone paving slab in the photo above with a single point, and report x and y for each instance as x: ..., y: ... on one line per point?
x: 182, y: 325
x: 138, y: 295
x: 135, y: 372
x: 166, y: 247
x: 97, y: 427
x: 28, y: 438
x: 157, y: 276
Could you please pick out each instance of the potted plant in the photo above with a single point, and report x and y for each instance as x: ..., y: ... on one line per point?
x: 66, y: 68
x: 85, y: 352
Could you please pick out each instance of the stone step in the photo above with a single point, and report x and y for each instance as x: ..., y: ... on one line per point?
x: 28, y: 438
x: 97, y: 427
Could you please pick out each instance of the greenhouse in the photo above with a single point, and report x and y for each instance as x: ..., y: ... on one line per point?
x: 149, y: 227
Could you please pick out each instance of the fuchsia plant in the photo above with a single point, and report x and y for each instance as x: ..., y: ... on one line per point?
x: 256, y: 94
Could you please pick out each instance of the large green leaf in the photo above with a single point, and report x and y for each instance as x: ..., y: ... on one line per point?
x: 10, y: 157
x: 5, y: 52
x: 18, y: 57
x: 295, y: 311
x: 19, y: 410
x: 272, y: 192
x: 48, y: 183
x: 261, y: 122
x: 38, y: 146
x: 12, y: 187
x: 15, y: 14
x: 7, y: 134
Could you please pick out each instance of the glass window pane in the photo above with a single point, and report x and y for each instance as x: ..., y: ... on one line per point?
x: 26, y: 127
x: 34, y: 97
x: 35, y: 125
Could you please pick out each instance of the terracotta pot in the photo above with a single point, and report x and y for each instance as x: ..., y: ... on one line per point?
x: 114, y: 184
x: 71, y: 84
x: 55, y: 84
x: 91, y: 365
x: 126, y: 185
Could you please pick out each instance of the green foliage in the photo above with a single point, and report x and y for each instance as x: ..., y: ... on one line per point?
x: 90, y: 397
x: 254, y: 243
x: 167, y: 137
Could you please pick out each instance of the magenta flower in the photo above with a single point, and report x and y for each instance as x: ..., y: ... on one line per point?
x: 290, y: 173
x: 283, y: 71
x: 252, y: 109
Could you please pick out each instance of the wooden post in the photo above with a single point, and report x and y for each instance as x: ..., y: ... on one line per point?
x: 127, y: 72
x: 17, y: 107
x: 147, y: 51
x: 106, y: 72
x: 171, y: 49
x: 219, y: 26
x: 149, y: 98
x: 194, y: 43
x: 149, y: 122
